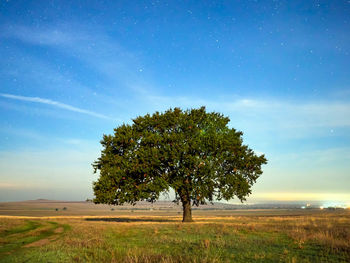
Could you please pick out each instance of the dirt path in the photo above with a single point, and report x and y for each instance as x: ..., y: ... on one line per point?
x: 38, y: 243
x: 32, y: 234
x: 59, y: 230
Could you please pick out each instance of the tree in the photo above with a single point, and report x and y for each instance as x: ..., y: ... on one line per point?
x: 193, y: 152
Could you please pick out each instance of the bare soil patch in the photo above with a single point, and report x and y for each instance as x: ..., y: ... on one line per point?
x: 39, y: 243
x: 58, y: 230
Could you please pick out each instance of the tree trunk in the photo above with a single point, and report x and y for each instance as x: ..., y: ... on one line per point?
x: 187, y: 212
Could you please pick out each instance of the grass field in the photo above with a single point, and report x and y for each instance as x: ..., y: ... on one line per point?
x: 216, y: 236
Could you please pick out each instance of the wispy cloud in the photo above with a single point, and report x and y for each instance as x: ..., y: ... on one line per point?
x: 38, y: 36
x: 294, y: 118
x: 35, y: 173
x: 343, y: 198
x: 20, y: 186
x: 117, y: 65
x: 55, y: 104
x: 116, y: 68
x: 114, y: 77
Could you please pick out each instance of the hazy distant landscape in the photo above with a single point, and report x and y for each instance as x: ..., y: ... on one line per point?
x: 44, y: 207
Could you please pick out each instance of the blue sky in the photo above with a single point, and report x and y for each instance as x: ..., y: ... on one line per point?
x: 71, y: 71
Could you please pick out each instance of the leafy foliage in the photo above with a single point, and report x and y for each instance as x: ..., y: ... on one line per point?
x: 193, y: 152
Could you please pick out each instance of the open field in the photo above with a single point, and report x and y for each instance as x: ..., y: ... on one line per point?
x: 48, y: 208
x: 159, y: 236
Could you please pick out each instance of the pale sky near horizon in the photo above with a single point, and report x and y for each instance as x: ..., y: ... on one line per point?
x: 71, y: 71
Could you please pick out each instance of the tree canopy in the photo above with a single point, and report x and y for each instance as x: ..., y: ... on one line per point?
x: 193, y: 152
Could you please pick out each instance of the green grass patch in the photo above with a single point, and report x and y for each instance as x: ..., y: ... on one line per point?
x: 210, y: 243
x: 231, y: 241
x: 30, y: 225
x: 16, y: 239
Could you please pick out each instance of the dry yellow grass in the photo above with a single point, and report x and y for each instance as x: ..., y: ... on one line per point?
x: 124, y: 238
x: 329, y: 229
